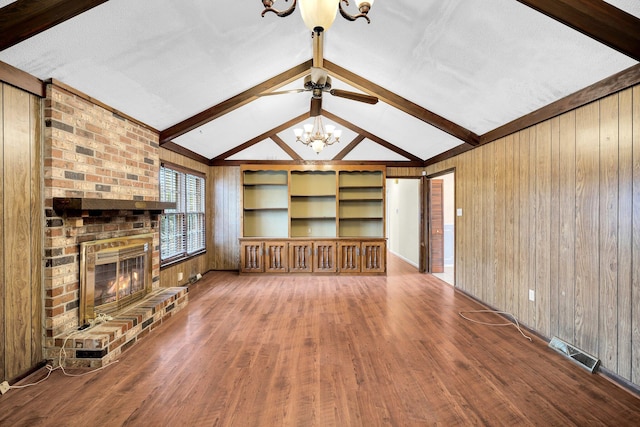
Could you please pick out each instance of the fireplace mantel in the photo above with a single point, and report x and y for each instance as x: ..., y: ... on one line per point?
x: 62, y: 204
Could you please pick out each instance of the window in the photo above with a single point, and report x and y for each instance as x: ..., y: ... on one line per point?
x: 182, y: 231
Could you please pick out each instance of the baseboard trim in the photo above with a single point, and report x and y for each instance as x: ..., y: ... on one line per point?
x: 404, y: 259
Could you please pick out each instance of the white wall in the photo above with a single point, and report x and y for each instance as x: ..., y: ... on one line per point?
x: 448, y: 191
x: 403, y: 218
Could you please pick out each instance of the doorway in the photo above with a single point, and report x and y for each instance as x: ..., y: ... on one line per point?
x: 440, y: 232
x: 403, y: 218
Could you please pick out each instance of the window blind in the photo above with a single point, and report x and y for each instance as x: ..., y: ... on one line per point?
x: 195, y: 213
x: 182, y: 230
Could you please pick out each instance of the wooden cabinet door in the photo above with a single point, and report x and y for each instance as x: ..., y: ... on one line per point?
x: 373, y: 257
x: 251, y: 259
x: 276, y: 258
x: 349, y: 257
x: 300, y: 259
x: 324, y: 257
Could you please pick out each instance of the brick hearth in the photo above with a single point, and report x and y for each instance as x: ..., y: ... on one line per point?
x: 102, y: 344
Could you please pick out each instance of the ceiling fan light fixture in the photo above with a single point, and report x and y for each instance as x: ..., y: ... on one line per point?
x: 363, y: 7
x: 364, y: 4
x: 318, y: 13
x: 317, y: 145
x: 317, y: 136
x: 330, y: 129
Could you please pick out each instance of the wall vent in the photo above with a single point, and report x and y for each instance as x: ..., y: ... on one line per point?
x: 574, y: 354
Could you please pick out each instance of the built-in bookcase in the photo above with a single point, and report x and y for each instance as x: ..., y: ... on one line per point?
x: 361, y: 204
x: 265, y: 203
x: 307, y: 219
x: 313, y: 204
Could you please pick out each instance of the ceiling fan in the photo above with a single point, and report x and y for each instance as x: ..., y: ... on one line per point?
x: 318, y: 81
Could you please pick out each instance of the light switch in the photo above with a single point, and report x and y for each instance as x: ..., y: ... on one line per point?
x: 459, y: 212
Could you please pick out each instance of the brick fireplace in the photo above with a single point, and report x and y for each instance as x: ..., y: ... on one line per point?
x: 93, y: 153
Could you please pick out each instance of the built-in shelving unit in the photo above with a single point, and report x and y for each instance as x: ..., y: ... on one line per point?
x: 265, y: 203
x: 313, y: 219
x: 313, y: 204
x: 361, y: 203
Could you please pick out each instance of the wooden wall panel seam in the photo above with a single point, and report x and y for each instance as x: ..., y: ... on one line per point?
x: 608, y: 224
x: 36, y: 229
x: 635, y: 291
x: 3, y: 332
x: 625, y: 233
x: 554, y: 295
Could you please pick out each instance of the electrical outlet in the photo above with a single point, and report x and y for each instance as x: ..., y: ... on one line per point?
x: 532, y: 295
x: 4, y: 387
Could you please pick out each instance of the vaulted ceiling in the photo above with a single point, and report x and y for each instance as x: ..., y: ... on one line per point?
x: 449, y: 74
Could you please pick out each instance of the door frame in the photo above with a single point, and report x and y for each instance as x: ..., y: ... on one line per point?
x: 425, y: 215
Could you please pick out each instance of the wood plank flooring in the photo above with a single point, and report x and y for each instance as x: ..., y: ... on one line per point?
x: 327, y: 351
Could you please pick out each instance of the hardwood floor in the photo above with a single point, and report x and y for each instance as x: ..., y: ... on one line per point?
x: 327, y: 351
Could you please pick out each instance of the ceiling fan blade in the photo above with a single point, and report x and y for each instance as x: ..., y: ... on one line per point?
x: 316, y: 107
x: 282, y: 92
x: 354, y: 96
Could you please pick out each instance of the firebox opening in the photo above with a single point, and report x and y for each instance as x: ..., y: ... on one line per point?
x: 114, y: 274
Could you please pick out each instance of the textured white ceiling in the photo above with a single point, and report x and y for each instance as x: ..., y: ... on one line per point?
x: 629, y: 6
x: 480, y: 64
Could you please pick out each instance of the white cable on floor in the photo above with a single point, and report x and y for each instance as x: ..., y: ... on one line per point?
x: 516, y: 324
x: 101, y: 318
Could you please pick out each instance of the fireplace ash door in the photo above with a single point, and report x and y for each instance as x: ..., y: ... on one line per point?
x: 114, y: 274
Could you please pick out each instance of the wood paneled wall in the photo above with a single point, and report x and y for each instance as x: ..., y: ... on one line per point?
x: 20, y: 232
x: 404, y: 172
x: 226, y: 222
x: 170, y: 276
x: 555, y: 208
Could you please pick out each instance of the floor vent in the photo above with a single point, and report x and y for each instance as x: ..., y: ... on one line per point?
x: 574, y: 354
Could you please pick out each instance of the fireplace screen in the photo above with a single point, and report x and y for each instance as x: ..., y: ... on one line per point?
x: 115, y: 273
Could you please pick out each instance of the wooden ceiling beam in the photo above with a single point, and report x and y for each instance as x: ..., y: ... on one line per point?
x: 20, y: 79
x: 401, y: 103
x: 397, y: 164
x: 455, y: 151
x: 235, y: 102
x: 26, y: 18
x: 370, y: 136
x: 597, y: 19
x: 346, y: 150
x: 172, y: 146
x: 285, y: 147
x: 262, y: 137
x: 605, y: 87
